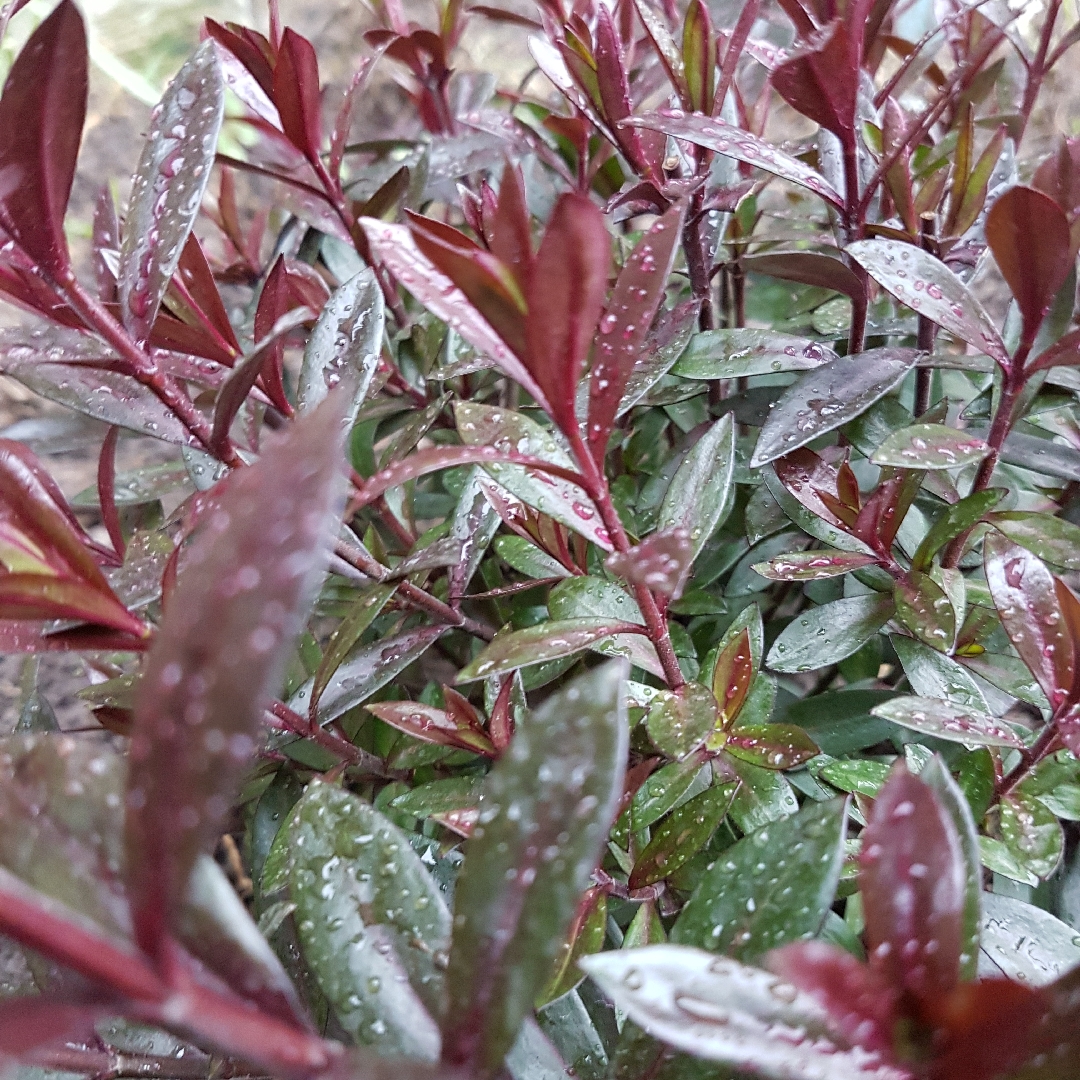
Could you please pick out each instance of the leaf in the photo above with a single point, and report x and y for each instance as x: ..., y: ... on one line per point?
x: 565, y: 298
x: 764, y: 796
x: 682, y: 835
x: 663, y: 790
x: 956, y: 519
x: 1051, y: 538
x: 367, y: 671
x: 929, y: 287
x: 772, y: 887
x: 545, y: 812
x: 828, y: 397
x: 1031, y: 833
x: 934, y: 675
x: 1025, y: 943
x: 724, y: 1011
x: 944, y: 720
x: 733, y: 142
x: 661, y: 562
x: 857, y: 775
x: 830, y: 633
x: 815, y: 268
x: 738, y: 657
x: 923, y: 607
x: 699, y: 495
x: 913, y: 883
x: 396, y: 247
x: 42, y: 112
x: 296, y: 93
x: 372, y: 923
x: 820, y: 80
x: 1026, y: 600
x: 345, y: 345
x: 740, y: 353
x: 541, y: 643
x: 771, y: 746
x: 586, y: 936
x: 634, y: 302
x: 813, y: 565
x: 930, y: 446
x: 243, y: 595
x: 432, y: 725
x: 680, y: 720
x: 1034, y: 271
x: 168, y: 186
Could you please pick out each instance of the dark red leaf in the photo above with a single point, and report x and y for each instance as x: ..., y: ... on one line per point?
x: 625, y: 324
x: 28, y: 1023
x: 247, y: 52
x: 808, y: 479
x: 614, y: 85
x: 296, y: 94
x: 41, y: 120
x: 1059, y: 176
x: 1034, y: 271
x: 339, y: 137
x: 198, y: 280
x: 732, y: 676
x: 511, y: 233
x: 106, y: 237
x: 565, y: 298
x: 106, y: 483
x: 912, y: 879
x: 1026, y: 599
x: 274, y: 301
x: 860, y: 1002
x: 808, y: 268
x: 244, y: 590
x: 661, y: 562
x: 821, y: 82
x: 432, y: 725
x: 1063, y: 353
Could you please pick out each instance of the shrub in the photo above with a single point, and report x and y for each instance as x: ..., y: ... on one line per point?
x: 637, y: 631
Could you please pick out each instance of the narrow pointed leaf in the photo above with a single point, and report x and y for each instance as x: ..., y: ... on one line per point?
x: 828, y: 397
x: 923, y: 607
x: 167, y: 191
x: 929, y: 287
x: 820, y: 81
x: 930, y: 446
x: 679, y: 720
x: 813, y: 565
x: 953, y: 521
x: 546, y: 808
x: 772, y: 887
x: 830, y: 633
x: 429, y: 724
x: 371, y: 920
x: 41, y: 120
x: 944, y: 720
x: 808, y: 268
x: 733, y: 142
x: 740, y: 353
x: 243, y: 594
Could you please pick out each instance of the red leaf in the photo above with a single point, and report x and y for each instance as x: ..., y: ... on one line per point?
x: 634, y: 302
x: 661, y: 562
x: 808, y: 478
x: 1059, y: 176
x: 296, y: 94
x: 913, y: 879
x: 28, y: 1023
x: 41, y: 120
x: 614, y: 85
x: 809, y: 268
x: 1026, y: 599
x: 732, y: 676
x: 106, y: 483
x: 511, y: 234
x: 1034, y: 268
x: 198, y: 279
x: 821, y: 82
x: 245, y: 587
x: 274, y: 301
x: 247, y: 52
x: 566, y: 296
x: 860, y: 1003
x: 431, y: 725
x: 106, y: 237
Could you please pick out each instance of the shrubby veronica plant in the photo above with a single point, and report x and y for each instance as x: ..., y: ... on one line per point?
x: 636, y: 640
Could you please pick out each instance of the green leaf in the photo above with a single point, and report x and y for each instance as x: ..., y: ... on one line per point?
x: 827, y: 634
x: 546, y: 808
x: 923, y: 607
x: 662, y: 791
x: 930, y: 446
x: 772, y: 887
x: 682, y: 835
x: 586, y: 936
x: 771, y: 746
x: 515, y: 649
x: 455, y: 793
x: 828, y: 397
x: 371, y: 921
x: 1023, y: 942
x: 840, y: 722
x: 764, y: 796
x: 952, y: 522
x: 701, y: 491
x: 724, y: 1011
x: 862, y: 776
x: 1051, y: 538
x: 526, y: 558
x: 740, y: 353
x: 344, y: 347
x: 813, y: 565
x: 680, y: 720
x: 1031, y: 833
x: 944, y: 720
x: 934, y: 675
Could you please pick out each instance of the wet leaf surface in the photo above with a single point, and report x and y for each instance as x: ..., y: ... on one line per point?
x: 930, y: 446
x: 944, y: 720
x: 829, y: 633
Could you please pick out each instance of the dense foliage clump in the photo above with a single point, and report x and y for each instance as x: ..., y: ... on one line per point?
x: 606, y: 601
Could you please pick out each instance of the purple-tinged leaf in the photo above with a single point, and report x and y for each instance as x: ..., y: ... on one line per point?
x: 736, y: 667
x: 947, y: 720
x: 31, y: 1023
x: 721, y: 1010
x: 168, y: 186
x: 1063, y: 353
x: 1051, y: 538
x: 930, y: 446
x: 565, y: 299
x: 587, y: 935
x: 429, y: 724
x: 682, y: 835
x: 662, y: 348
x: 515, y: 649
x: 549, y: 802
x: 924, y: 608
x: 1026, y: 599
x: 808, y: 268
x: 42, y: 111
x: 930, y: 288
x: 735, y: 143
x: 913, y: 882
x: 106, y: 238
x: 396, y: 247
x: 821, y: 80
x: 860, y: 1003
x: 296, y: 94
x: 1031, y: 833
x: 614, y: 86
x: 244, y: 592
x: 813, y: 565
x: 771, y: 746
x: 1035, y: 271
x: 625, y: 324
x: 661, y: 562
x: 680, y: 720
x: 553, y: 64
x: 828, y: 397
x: 197, y: 279
x: 739, y: 353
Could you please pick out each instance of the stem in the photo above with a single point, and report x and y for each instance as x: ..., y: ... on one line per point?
x: 853, y: 230
x: 696, y: 264
x: 1038, y: 68
x: 1029, y: 759
x: 289, y: 720
x: 112, y: 1064
x: 927, y: 328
